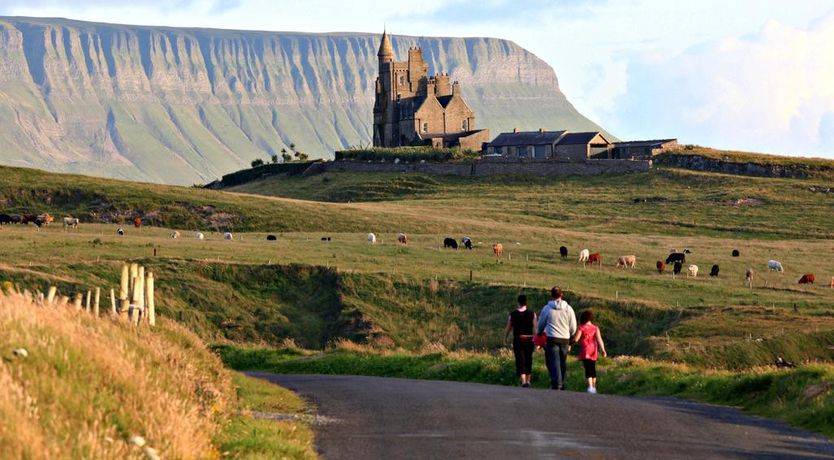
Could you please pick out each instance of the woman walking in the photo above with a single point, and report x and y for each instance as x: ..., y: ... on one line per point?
x: 521, y: 323
x: 590, y: 343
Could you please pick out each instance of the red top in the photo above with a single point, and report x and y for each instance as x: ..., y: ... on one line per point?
x: 588, y: 342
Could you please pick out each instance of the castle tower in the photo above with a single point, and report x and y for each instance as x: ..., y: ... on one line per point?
x: 383, y: 105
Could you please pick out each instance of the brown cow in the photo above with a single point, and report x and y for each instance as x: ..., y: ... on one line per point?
x: 627, y: 261
x: 402, y: 239
x: 832, y: 283
x: 595, y: 258
x: 137, y: 222
x: 748, y: 276
x: 660, y: 266
x: 498, y: 249
x: 807, y: 278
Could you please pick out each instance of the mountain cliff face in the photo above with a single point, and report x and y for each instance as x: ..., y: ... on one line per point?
x: 188, y: 105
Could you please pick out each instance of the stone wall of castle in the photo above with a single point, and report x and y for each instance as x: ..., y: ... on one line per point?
x: 490, y: 167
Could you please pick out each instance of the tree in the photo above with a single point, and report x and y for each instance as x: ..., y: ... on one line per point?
x: 286, y: 157
x: 275, y: 158
x: 258, y: 162
x: 303, y: 156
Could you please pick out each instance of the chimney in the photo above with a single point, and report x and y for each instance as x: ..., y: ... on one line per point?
x: 541, y: 130
x: 515, y: 130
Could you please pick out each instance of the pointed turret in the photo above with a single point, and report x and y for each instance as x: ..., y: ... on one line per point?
x: 386, y: 51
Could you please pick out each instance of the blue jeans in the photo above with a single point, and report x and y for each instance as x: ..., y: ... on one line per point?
x: 556, y: 358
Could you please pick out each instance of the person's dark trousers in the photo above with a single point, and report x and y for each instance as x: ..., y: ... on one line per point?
x: 523, y: 351
x: 556, y: 358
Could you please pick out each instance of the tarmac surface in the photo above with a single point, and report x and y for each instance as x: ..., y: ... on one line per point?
x: 388, y: 418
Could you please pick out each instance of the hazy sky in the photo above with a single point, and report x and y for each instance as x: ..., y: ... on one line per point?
x: 751, y: 75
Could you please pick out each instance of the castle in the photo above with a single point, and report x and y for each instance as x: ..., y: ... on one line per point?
x: 412, y: 108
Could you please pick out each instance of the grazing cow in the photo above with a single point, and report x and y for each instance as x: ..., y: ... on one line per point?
x: 583, y: 255
x: 563, y: 251
x: 450, y: 243
x: 627, y: 261
x: 595, y: 258
x: 678, y: 266
x: 775, y: 265
x: 371, y: 238
x: 676, y: 257
x: 16, y: 218
x: 120, y: 231
x: 175, y: 235
x: 832, y: 283
x: 46, y: 219
x: 402, y: 239
x: 5, y: 219
x: 660, y: 266
x: 228, y: 236
x: 28, y: 218
x: 137, y: 222
x: 807, y: 278
x: 71, y: 222
x: 687, y: 251
x: 498, y: 249
x: 693, y: 271
x: 271, y: 238
x: 714, y: 271
x: 736, y: 253
x: 467, y: 242
x: 325, y: 238
x: 748, y: 276
x: 199, y: 236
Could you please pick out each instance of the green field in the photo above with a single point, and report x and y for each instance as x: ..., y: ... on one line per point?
x: 421, y: 298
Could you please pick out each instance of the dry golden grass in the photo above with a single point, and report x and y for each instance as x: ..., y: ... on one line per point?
x: 88, y: 385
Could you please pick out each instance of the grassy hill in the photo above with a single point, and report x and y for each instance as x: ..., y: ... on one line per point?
x: 434, y: 305
x: 85, y: 387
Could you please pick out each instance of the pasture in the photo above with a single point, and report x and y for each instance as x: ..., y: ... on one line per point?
x: 421, y: 295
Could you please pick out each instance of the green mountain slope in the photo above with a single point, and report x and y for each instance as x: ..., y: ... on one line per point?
x: 188, y: 105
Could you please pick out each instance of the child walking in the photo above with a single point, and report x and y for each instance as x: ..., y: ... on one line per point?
x: 590, y: 343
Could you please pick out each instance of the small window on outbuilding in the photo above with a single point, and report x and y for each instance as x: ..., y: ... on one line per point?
x: 465, y: 125
x: 425, y: 127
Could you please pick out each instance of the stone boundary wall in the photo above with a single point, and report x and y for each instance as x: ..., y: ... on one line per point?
x: 490, y: 167
x: 701, y: 163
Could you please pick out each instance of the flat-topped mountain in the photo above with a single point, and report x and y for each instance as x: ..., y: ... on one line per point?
x: 181, y: 106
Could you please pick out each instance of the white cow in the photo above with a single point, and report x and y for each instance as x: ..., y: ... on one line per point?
x: 693, y: 271
x: 371, y: 238
x: 121, y: 231
x: 584, y: 255
x: 199, y: 236
x: 175, y: 235
x: 228, y: 236
x: 71, y: 222
x: 775, y: 265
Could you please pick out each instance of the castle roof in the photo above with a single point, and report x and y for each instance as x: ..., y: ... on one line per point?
x: 385, y: 48
x: 526, y: 138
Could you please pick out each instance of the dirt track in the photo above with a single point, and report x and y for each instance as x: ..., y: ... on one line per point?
x: 376, y: 418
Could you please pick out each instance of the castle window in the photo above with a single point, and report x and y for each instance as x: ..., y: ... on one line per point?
x: 402, y: 80
x: 425, y: 127
x: 465, y: 125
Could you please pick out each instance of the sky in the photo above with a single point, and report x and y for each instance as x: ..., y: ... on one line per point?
x: 744, y: 75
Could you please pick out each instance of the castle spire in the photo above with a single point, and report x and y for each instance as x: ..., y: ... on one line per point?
x: 386, y: 51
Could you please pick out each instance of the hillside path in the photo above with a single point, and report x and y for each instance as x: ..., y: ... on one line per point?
x: 388, y: 418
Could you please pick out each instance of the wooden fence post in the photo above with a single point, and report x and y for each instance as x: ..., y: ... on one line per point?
x: 87, y: 303
x: 149, y: 289
x: 96, y: 302
x: 77, y: 301
x: 113, y: 310
x: 124, y: 310
x: 138, y: 295
x: 50, y: 296
x: 124, y: 282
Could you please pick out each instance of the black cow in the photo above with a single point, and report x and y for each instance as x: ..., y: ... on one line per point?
x: 450, y: 243
x: 5, y: 219
x: 271, y: 237
x: 736, y: 253
x: 677, y: 268
x: 563, y: 251
x: 467, y: 242
x: 325, y: 238
x: 16, y: 218
x: 121, y: 231
x: 714, y: 271
x: 676, y: 257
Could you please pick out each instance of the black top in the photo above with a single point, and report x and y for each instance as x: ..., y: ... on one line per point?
x: 522, y: 322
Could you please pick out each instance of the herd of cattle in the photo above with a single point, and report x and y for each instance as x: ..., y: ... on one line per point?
x: 675, y: 259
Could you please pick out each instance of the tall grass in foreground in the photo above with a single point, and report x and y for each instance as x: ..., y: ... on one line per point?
x: 85, y: 386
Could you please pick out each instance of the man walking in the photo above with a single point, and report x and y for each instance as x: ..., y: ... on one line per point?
x: 558, y: 321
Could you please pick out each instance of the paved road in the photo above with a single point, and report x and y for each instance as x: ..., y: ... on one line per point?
x: 384, y: 418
